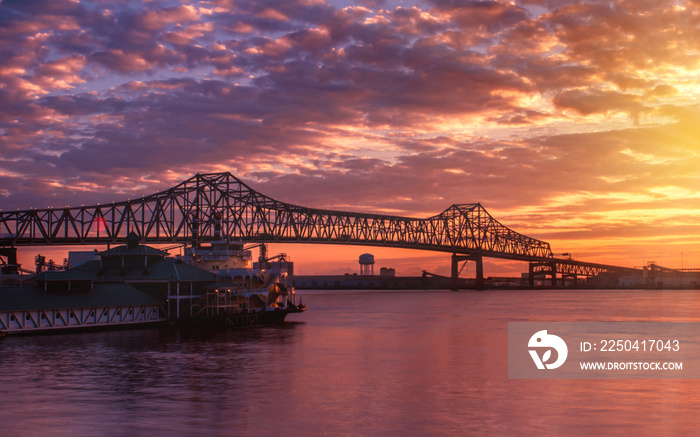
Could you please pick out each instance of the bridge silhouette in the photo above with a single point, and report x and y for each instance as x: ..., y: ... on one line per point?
x: 216, y: 206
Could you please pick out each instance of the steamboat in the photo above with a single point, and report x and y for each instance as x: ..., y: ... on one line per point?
x: 212, y: 284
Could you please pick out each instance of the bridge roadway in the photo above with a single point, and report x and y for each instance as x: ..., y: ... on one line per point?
x: 209, y: 207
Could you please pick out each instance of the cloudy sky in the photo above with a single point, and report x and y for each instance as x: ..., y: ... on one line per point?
x: 573, y: 122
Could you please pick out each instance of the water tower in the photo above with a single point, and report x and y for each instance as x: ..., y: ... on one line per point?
x: 367, y: 264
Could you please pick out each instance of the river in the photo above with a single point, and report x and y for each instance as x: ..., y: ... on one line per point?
x: 356, y: 363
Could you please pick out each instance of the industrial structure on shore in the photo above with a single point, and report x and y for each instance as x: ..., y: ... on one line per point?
x: 649, y: 276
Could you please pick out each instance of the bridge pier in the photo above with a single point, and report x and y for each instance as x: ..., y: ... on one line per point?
x: 550, y: 270
x: 478, y: 259
x: 573, y: 276
x: 8, y: 261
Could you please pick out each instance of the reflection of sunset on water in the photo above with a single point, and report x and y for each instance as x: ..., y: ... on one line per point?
x: 356, y: 363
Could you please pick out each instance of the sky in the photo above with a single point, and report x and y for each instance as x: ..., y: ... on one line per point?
x: 576, y: 123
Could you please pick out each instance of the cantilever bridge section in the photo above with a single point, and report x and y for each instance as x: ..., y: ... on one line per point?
x: 208, y: 207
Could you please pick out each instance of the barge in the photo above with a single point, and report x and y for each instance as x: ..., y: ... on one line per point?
x: 138, y: 285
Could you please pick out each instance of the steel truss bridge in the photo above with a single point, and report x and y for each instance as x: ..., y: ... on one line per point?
x: 216, y: 206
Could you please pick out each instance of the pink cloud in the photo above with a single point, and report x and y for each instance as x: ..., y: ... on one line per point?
x: 157, y: 19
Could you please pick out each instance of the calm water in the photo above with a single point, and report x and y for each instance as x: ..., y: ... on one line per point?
x: 357, y: 363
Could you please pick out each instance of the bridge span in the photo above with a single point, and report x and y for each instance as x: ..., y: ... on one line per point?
x: 215, y: 206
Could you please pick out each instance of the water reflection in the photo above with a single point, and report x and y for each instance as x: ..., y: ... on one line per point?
x: 357, y: 363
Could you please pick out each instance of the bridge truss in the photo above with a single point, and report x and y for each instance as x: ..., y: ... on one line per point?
x: 218, y: 206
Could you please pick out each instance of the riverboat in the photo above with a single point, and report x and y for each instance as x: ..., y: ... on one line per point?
x: 138, y: 285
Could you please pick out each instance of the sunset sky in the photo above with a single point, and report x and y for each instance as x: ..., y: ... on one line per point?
x: 576, y: 123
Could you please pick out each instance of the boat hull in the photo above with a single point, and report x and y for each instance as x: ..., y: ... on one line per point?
x: 232, y: 320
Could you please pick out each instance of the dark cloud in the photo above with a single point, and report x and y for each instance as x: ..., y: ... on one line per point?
x: 593, y: 102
